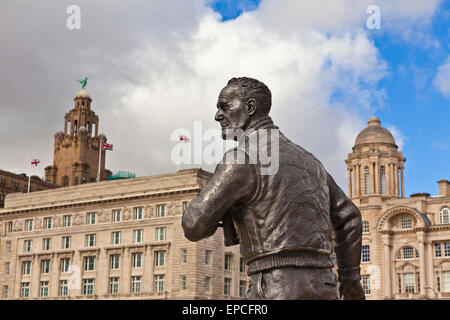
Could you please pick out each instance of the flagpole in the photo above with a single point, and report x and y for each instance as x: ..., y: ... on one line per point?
x: 99, y: 157
x: 29, y: 181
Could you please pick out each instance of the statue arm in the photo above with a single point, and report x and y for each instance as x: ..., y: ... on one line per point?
x: 231, y: 185
x: 346, y: 219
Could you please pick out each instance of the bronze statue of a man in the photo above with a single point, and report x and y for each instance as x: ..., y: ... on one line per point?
x: 283, y: 220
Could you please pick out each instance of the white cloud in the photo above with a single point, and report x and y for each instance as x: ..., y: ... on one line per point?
x: 442, y: 79
x: 399, y: 137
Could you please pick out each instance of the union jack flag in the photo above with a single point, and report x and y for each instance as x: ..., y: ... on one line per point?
x: 184, y: 139
x: 107, y: 146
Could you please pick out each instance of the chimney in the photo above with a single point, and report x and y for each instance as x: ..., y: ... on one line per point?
x: 444, y: 187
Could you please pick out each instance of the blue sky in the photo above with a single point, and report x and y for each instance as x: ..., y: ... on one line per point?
x: 413, y: 104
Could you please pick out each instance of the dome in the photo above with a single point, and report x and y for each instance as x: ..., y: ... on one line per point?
x: 83, y: 94
x: 83, y: 129
x: 59, y: 134
x: 374, y: 133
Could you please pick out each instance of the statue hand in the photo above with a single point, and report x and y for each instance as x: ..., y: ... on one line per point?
x: 351, y: 290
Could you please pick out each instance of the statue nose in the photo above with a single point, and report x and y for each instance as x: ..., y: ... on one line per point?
x: 218, y: 116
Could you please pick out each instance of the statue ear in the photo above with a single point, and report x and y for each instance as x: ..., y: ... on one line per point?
x: 251, y: 106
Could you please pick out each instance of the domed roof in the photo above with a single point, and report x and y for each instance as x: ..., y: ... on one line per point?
x: 374, y: 133
x: 83, y: 94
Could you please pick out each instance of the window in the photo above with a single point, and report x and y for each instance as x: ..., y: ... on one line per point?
x: 25, y: 290
x: 2, y: 182
x: 115, y: 237
x: 65, y: 263
x: 45, y: 266
x: 43, y: 291
x: 383, y: 179
x: 63, y: 288
x: 226, y: 286
x: 446, y: 281
x: 137, y: 260
x: 406, y: 222
x: 27, y: 244
x: 5, y: 292
x: 365, y: 226
x: 418, y: 281
x: 408, y: 253
x: 161, y: 234
x: 207, y: 284
x: 242, y: 288
x: 65, y: 181
x: 227, y: 264
x: 115, y: 261
x: 89, y: 263
x: 91, y: 218
x: 65, y: 242
x: 208, y: 257
x: 136, y: 284
x: 7, y: 268
x: 138, y: 236
x: 116, y: 215
x: 365, y: 278
x: 183, y: 255
x: 161, y: 210
x: 160, y: 258
x: 88, y: 287
x: 67, y: 221
x: 26, y: 267
x: 241, y: 265
x: 447, y: 249
x: 8, y: 246
x: 29, y: 225
x: 9, y: 227
x: 137, y: 213
x: 444, y: 216
x: 437, y: 249
x: 160, y: 283
x: 90, y: 240
x: 48, y: 223
x: 438, y: 281
x: 365, y: 253
x: 46, y: 244
x: 185, y: 205
x: 182, y: 282
x: 366, y: 180
x: 399, y: 280
x: 409, y: 282
x: 114, y: 285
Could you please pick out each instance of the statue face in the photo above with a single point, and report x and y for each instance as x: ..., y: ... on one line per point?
x: 232, y: 113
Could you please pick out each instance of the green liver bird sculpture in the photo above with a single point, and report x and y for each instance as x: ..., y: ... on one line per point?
x: 83, y: 82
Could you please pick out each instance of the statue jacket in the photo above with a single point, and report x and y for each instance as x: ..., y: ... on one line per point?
x: 279, y: 203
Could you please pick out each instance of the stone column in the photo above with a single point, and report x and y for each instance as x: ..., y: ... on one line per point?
x: 377, y: 178
x: 349, y: 182
x: 430, y: 271
x: 76, y: 261
x: 387, y: 264
x: 403, y: 183
x: 125, y: 272
x: 396, y: 180
x: 35, y: 276
x: 420, y: 241
x: 54, y: 283
x: 102, y: 280
x: 357, y: 180
x: 391, y: 179
x: 371, y: 179
x: 147, y: 277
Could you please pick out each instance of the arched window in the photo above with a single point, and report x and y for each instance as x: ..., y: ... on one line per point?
x: 407, y: 253
x: 65, y: 181
x: 444, y: 216
x: 406, y: 222
x: 76, y: 180
x: 383, y: 179
x: 366, y: 180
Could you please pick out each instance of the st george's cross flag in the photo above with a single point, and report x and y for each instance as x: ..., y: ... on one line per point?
x: 184, y: 139
x: 107, y: 146
x: 35, y: 162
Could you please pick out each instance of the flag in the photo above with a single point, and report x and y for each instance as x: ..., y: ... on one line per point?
x: 184, y: 139
x: 107, y: 146
x: 35, y: 162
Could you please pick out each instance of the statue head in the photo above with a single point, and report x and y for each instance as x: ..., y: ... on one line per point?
x: 243, y: 101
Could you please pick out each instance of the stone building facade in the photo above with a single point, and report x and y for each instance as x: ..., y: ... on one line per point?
x: 11, y: 183
x: 406, y: 241
x: 114, y: 239
x: 76, y: 149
